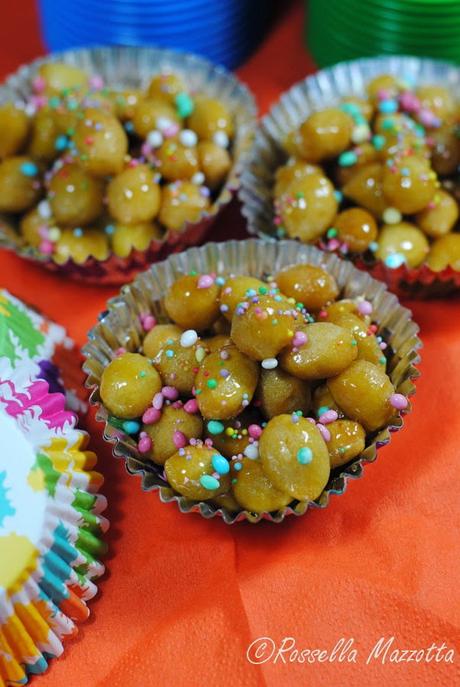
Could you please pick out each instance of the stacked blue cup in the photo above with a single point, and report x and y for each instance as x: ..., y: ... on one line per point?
x: 224, y: 31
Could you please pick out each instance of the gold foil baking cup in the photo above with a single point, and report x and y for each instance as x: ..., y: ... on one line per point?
x: 119, y: 326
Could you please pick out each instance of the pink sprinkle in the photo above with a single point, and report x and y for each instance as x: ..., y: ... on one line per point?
x: 43, y: 231
x: 409, y: 101
x: 325, y: 433
x: 383, y: 345
x: 364, y: 307
x: 96, y: 82
x: 205, y: 281
x: 151, y: 416
x: 146, y: 149
x: 148, y: 322
x: 176, y: 404
x: 170, y: 392
x: 145, y: 444
x: 191, y: 406
x: 39, y: 84
x: 328, y: 416
x: 179, y: 439
x: 255, y: 431
x: 133, y: 163
x: 46, y: 247
x: 38, y: 101
x: 333, y: 244
x: 120, y: 351
x: 322, y: 313
x: 170, y: 131
x: 300, y: 338
x: 398, y: 401
x: 208, y: 442
x: 224, y: 355
x: 310, y: 419
x: 158, y: 400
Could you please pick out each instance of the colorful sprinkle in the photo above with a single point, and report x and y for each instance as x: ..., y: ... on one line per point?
x: 215, y: 427
x: 364, y: 307
x: 131, y: 426
x: 191, y: 406
x: 304, y: 455
x: 151, y: 416
x: 269, y: 363
x: 328, y: 416
x: 209, y: 482
x: 29, y: 169
x: 170, y: 393
x: 205, y: 281
x: 251, y: 451
x: 211, y: 383
x: 220, y: 464
x: 347, y: 159
x: 188, y: 338
x: 398, y: 401
x: 179, y: 439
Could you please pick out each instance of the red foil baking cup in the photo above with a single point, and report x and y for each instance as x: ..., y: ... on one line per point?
x: 119, y: 326
x: 326, y: 89
x: 133, y: 67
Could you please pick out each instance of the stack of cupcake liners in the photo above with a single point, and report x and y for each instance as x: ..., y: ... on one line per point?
x: 51, y: 522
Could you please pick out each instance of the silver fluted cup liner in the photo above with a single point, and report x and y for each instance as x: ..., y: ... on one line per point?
x: 325, y: 89
x: 119, y: 326
x: 133, y: 67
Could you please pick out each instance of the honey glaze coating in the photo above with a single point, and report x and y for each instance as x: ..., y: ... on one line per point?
x: 253, y: 419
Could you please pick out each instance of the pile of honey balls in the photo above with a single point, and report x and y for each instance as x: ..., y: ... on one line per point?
x: 377, y: 176
x: 86, y: 170
x: 252, y: 390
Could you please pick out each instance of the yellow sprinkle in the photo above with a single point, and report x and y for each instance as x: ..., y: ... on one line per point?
x: 229, y: 431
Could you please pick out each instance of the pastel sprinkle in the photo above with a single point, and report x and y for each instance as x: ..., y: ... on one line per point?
x: 29, y: 169
x: 184, y: 105
x: 237, y: 466
x: 215, y: 427
x: 398, y: 401
x: 347, y: 159
x: 205, y: 281
x: 224, y: 373
x: 209, y: 482
x: 191, y: 406
x: 364, y: 307
x: 395, y: 260
x: 145, y: 443
x: 325, y: 433
x: 328, y: 416
x: 304, y: 455
x: 188, y: 338
x: 179, y: 439
x: 158, y: 401
x: 211, y: 383
x: 255, y: 431
x: 251, y: 451
x: 300, y: 338
x: 269, y: 363
x: 151, y: 416
x: 220, y: 464
x: 131, y: 426
x: 170, y: 393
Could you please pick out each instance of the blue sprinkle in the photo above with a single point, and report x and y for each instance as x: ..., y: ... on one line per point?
x: 209, y: 482
x: 78, y: 232
x: 338, y: 196
x: 131, y: 426
x: 305, y: 455
x: 220, y: 281
x: 405, y: 171
x: 29, y: 169
x: 251, y: 292
x: 348, y: 158
x: 129, y: 127
x: 388, y: 106
x: 395, y: 260
x: 220, y: 464
x: 109, y: 229
x: 351, y: 108
x: 378, y: 141
x: 169, y: 353
x: 237, y: 466
x: 61, y: 143
x: 215, y: 427
x: 373, y: 246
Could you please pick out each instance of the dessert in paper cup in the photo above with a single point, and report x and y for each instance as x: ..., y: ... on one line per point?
x: 362, y: 159
x: 115, y: 157
x: 51, y: 526
x: 250, y: 379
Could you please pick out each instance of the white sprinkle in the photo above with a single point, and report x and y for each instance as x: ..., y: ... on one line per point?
x: 269, y: 363
x: 188, y: 338
x: 251, y: 451
x: 154, y: 138
x: 44, y: 209
x: 188, y: 138
x: 198, y: 178
x: 391, y: 216
x: 164, y: 123
x: 360, y: 133
x: 220, y: 138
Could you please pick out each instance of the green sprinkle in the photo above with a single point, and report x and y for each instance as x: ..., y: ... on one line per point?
x: 347, y: 159
x: 305, y: 455
x: 354, y: 342
x: 331, y: 233
x: 209, y: 482
x: 197, y: 392
x: 322, y: 410
x: 193, y: 273
x: 234, y: 480
x: 184, y: 105
x: 142, y: 373
x: 211, y: 383
x: 215, y: 427
x: 299, y: 194
x: 263, y: 290
x: 382, y: 360
x: 378, y: 141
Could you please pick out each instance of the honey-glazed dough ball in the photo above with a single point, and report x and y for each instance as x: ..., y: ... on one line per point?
x: 19, y: 184
x: 14, y: 129
x: 44, y: 131
x: 254, y: 491
x: 365, y: 188
x: 162, y: 432
x: 405, y: 241
x: 30, y: 226
x: 308, y: 207
x: 279, y: 392
x: 182, y: 202
x: 177, y: 161
x: 409, y: 184
x: 231, y: 437
x: 227, y: 502
x: 368, y: 347
x: 221, y: 326
x: 210, y: 116
x: 323, y: 401
x: 292, y: 170
x: 294, y: 457
x: 308, y: 284
x: 190, y: 473
x: 366, y: 154
x: 345, y: 306
x: 215, y: 163
x: 179, y: 364
x: 445, y: 251
x: 264, y: 328
x: 325, y: 134
x: 238, y: 289
x: 158, y: 337
x: 363, y: 391
x: 165, y: 86
x: 440, y: 216
x: 128, y: 385
x: 225, y: 383
x: 348, y: 440
x: 128, y: 237
x: 217, y: 342
x: 357, y: 228
x: 153, y: 114
x: 126, y: 103
x: 328, y: 351
x: 8, y: 231
x: 445, y: 152
x: 383, y: 84
x: 192, y: 301
x: 437, y: 99
x: 59, y: 77
x: 134, y: 195
x: 76, y: 198
x: 101, y: 143
x: 81, y: 244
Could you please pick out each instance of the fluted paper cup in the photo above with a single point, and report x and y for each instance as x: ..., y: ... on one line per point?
x: 119, y: 326
x: 133, y: 67
x: 325, y: 89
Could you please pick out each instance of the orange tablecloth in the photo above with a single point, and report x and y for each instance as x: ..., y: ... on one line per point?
x: 184, y: 598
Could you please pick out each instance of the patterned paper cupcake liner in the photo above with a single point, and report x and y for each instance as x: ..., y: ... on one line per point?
x: 51, y: 525
x: 133, y: 67
x: 120, y: 326
x: 325, y: 89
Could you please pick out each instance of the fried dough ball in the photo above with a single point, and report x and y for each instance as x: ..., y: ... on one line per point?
x: 215, y: 163
x: 128, y: 237
x: 14, y: 129
x: 162, y: 432
x: 292, y: 170
x: 445, y: 252
x: 365, y: 188
x: 59, y: 77
x: 182, y: 202
x: 231, y: 437
x: 125, y: 103
x: 165, y: 86
x: 308, y: 284
x: 76, y: 198
x: 80, y: 244
x: 237, y: 290
x: 134, y: 195
x: 325, y: 134
x: 347, y: 441
x: 279, y: 392
x: 357, y: 228
x: 409, y: 184
x: 440, y: 216
x: 19, y: 184
x: 158, y: 337
x: 405, y: 241
x: 308, y: 207
x: 209, y: 117
x: 254, y: 491
x: 101, y: 143
x: 190, y: 473
x: 179, y: 364
x: 128, y: 385
x: 153, y: 114
x: 192, y: 302
x: 177, y: 161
